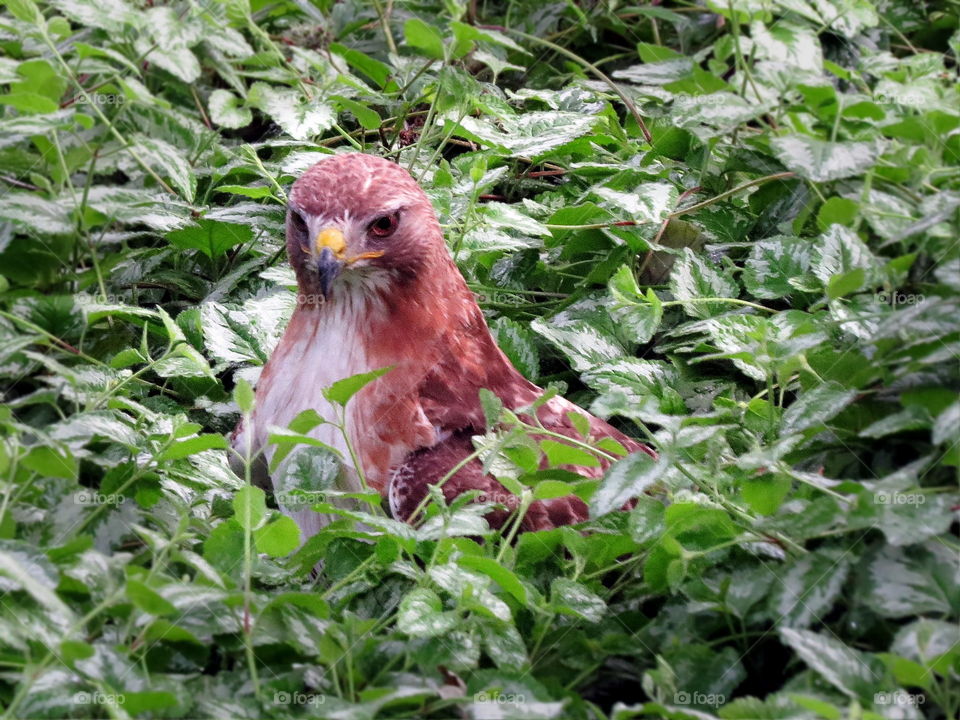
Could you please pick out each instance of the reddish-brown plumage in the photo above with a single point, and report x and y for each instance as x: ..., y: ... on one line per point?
x: 405, y: 305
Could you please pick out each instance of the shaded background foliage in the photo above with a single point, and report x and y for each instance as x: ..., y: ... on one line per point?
x: 730, y: 227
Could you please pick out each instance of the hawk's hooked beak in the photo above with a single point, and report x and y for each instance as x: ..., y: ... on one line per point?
x: 330, y: 245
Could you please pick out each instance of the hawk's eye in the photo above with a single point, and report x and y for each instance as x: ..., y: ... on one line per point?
x: 385, y: 225
x: 297, y: 225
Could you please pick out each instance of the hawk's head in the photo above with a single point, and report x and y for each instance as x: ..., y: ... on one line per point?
x: 357, y: 216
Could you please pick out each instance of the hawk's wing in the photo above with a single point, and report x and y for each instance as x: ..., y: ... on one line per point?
x: 449, y: 397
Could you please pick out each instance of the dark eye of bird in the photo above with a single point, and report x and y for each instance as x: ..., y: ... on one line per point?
x: 298, y: 225
x: 385, y: 225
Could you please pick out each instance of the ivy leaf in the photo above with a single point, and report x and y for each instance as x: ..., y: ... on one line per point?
x: 342, y: 390
x: 192, y: 446
x: 809, y: 587
x: 626, y: 478
x: 227, y: 111
x: 572, y: 598
x: 168, y: 162
x: 640, y: 313
x: 692, y: 279
x: 421, y: 614
x: 585, y: 333
x: 425, y: 38
x: 518, y: 344
x: 148, y: 599
x: 815, y: 407
x: 211, y: 237
x: 249, y: 507
x: 278, y: 538
x: 300, y: 118
x: 820, y: 160
x: 850, y: 671
x: 840, y: 251
x: 946, y: 426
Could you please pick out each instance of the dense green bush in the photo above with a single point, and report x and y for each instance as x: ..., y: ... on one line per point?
x: 731, y: 227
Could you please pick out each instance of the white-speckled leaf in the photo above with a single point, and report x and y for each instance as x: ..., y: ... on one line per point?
x: 226, y: 110
x: 300, y: 118
x: 821, y: 160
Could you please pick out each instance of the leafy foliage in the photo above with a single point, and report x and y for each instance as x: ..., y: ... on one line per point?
x: 731, y: 227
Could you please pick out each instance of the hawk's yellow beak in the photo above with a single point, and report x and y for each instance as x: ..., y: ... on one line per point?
x: 331, y: 238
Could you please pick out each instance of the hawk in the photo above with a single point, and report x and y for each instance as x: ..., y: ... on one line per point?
x: 378, y: 288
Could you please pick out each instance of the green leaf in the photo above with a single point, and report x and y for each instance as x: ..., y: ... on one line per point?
x: 374, y: 69
x: 211, y: 237
x: 496, y: 572
x: 148, y: 599
x: 368, y: 118
x: 572, y: 598
x: 49, y: 462
x: 168, y: 162
x: 278, y: 538
x: 255, y: 192
x: 25, y: 10
x: 342, y: 390
x: 243, y: 396
x: 518, y: 344
x: 765, y: 494
x: 425, y: 38
x: 845, y: 284
x: 223, y: 547
x: 808, y: 588
x: 421, y: 614
x: 192, y: 446
x: 29, y: 103
x: 549, y: 489
x: 837, y: 211
x: 821, y: 161
x: 640, y: 314
x: 816, y: 406
x: 692, y: 279
x: 227, y: 110
x: 839, y: 251
x: 850, y: 671
x: 492, y: 407
x: 249, y: 507
x: 626, y: 478
x: 559, y: 453
x: 300, y: 118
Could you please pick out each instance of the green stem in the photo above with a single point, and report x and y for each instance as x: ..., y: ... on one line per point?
x: 732, y: 301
